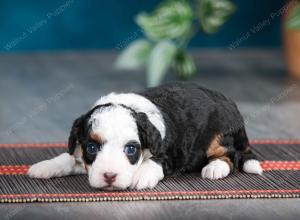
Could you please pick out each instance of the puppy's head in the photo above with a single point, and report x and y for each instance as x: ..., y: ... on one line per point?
x: 112, y: 140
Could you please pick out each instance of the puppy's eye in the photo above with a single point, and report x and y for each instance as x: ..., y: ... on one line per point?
x: 129, y: 149
x: 92, y: 148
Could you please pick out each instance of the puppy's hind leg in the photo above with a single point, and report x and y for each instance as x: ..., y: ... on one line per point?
x: 220, y: 165
x: 248, y: 160
x: 62, y: 165
x: 250, y: 163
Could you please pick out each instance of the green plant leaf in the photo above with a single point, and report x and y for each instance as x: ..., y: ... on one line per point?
x: 134, y: 56
x: 184, y: 65
x: 160, y: 60
x: 214, y: 13
x: 294, y: 19
x: 171, y: 20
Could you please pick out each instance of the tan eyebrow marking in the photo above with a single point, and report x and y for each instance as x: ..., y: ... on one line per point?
x: 97, y: 137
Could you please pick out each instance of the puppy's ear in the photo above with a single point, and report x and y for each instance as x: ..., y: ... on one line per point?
x: 79, y: 128
x: 76, y: 132
x: 148, y: 134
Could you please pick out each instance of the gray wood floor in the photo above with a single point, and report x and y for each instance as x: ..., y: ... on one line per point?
x: 42, y: 93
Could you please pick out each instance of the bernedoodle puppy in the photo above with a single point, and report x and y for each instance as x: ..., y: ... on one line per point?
x: 133, y: 140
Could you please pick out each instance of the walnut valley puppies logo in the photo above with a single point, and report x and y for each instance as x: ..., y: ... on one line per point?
x: 260, y: 25
x: 129, y: 39
x: 39, y: 109
x: 236, y: 126
x: 11, y: 213
x: 265, y: 108
x: 36, y: 26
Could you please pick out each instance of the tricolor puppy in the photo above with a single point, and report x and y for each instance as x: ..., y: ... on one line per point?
x: 135, y: 139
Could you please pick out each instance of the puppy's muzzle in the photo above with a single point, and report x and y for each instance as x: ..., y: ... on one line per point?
x: 109, y: 177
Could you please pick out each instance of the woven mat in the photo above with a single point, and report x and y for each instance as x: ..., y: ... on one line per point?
x: 281, y: 179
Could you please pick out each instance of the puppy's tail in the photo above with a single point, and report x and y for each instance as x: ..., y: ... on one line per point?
x: 248, y: 162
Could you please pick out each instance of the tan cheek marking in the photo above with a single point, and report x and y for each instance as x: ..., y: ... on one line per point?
x: 79, y: 158
x: 78, y: 151
x: 86, y: 167
x: 78, y: 155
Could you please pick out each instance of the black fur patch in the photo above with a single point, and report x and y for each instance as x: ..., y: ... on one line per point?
x: 193, y: 116
x: 133, y: 159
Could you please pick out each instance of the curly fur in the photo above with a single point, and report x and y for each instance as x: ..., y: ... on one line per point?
x: 174, y: 127
x: 193, y: 115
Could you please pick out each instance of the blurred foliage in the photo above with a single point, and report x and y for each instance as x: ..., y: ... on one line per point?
x: 213, y: 14
x: 184, y: 65
x: 135, y: 56
x: 160, y: 59
x: 171, y: 20
x: 294, y: 19
x: 168, y: 30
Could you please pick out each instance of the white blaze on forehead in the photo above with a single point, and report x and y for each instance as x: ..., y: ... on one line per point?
x: 139, y: 104
x: 117, y: 127
x: 114, y: 123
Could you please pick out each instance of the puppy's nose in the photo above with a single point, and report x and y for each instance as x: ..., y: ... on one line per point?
x: 109, y: 177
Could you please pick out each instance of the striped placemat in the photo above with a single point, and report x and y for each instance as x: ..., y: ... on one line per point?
x: 280, y: 160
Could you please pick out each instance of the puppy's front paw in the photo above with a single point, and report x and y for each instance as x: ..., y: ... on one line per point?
x: 44, y: 170
x: 147, y: 176
x: 216, y: 169
x: 58, y: 166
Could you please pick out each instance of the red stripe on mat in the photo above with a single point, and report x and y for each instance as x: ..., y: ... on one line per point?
x: 266, y: 165
x: 38, y: 145
x: 275, y: 141
x: 280, y: 165
x: 13, y: 169
x: 124, y: 194
x: 62, y: 144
